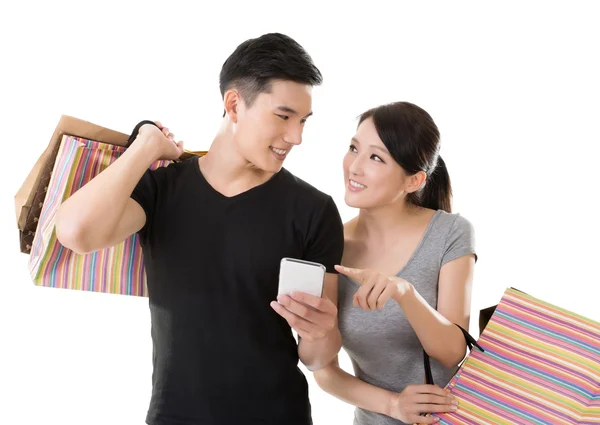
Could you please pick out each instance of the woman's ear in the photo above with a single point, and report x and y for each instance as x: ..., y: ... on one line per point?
x: 416, y: 182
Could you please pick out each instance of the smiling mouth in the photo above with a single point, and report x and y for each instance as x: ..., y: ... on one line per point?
x: 281, y: 152
x: 357, y: 185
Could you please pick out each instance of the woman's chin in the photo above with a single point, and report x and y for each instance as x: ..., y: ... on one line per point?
x: 351, y: 200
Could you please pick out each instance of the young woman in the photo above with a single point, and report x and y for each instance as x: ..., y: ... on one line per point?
x: 406, y: 274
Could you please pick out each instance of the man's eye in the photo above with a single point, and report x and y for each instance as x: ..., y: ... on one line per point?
x: 283, y: 117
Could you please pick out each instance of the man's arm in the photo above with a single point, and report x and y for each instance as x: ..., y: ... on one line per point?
x: 315, y: 320
x: 102, y: 213
x: 319, y: 352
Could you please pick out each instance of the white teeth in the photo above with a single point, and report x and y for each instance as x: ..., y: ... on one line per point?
x: 358, y: 185
x: 279, y: 151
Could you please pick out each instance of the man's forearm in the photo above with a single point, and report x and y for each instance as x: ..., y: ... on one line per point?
x: 319, y: 353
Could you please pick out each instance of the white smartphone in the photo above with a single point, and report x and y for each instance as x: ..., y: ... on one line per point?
x: 301, y: 276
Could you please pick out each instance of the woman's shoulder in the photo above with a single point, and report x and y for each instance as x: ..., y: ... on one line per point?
x: 451, y: 221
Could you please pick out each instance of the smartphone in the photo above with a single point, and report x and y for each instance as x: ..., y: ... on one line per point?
x: 301, y: 276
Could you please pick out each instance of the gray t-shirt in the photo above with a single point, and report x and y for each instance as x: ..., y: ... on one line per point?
x: 382, y: 345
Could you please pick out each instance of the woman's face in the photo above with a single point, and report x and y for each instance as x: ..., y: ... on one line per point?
x: 373, y: 178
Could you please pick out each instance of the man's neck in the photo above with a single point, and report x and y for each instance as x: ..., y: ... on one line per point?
x: 227, y: 171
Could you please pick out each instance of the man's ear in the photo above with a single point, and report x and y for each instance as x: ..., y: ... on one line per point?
x: 231, y: 103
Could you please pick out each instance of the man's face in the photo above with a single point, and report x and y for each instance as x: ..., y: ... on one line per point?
x: 266, y: 132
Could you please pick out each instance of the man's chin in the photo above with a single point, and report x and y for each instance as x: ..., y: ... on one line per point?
x: 267, y: 166
x: 273, y: 170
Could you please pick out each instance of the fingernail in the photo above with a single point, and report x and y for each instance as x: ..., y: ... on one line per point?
x: 279, y: 298
x: 453, y: 408
x: 454, y: 402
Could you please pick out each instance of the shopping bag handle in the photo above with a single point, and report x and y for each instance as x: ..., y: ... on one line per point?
x: 471, y: 342
x: 139, y: 125
x: 136, y: 130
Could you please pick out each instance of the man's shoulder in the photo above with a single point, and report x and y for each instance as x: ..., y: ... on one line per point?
x: 169, y: 172
x: 302, y: 188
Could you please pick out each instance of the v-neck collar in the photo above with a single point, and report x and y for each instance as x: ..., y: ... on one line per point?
x: 240, y: 195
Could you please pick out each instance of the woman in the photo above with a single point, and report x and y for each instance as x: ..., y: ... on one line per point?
x: 407, y: 271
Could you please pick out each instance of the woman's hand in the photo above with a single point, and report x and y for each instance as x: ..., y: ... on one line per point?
x: 376, y: 289
x: 408, y: 405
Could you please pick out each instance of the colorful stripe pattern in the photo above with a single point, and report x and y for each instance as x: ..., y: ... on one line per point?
x: 116, y: 270
x: 541, y: 365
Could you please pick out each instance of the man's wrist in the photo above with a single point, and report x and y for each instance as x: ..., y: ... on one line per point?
x: 146, y: 148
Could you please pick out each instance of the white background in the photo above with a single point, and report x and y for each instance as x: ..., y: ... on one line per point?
x: 514, y: 89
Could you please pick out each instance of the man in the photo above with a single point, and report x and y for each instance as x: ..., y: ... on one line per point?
x: 213, y: 232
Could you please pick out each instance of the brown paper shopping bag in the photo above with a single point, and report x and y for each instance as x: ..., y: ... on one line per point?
x: 30, y: 197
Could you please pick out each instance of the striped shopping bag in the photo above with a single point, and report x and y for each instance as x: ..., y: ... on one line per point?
x: 119, y: 269
x: 539, y: 364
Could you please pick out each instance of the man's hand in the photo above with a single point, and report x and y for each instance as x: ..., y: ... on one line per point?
x: 162, y: 141
x: 312, y: 317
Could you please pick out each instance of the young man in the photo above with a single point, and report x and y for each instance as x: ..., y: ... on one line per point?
x: 213, y: 232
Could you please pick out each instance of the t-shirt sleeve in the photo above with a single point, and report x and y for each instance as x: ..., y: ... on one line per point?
x: 460, y: 241
x: 146, y: 194
x: 326, y: 238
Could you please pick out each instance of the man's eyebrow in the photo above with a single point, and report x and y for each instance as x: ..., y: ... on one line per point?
x: 289, y: 110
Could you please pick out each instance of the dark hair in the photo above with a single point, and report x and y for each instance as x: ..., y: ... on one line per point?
x: 258, y: 61
x: 412, y: 138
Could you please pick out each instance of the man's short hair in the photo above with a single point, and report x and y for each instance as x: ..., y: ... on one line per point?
x: 256, y: 62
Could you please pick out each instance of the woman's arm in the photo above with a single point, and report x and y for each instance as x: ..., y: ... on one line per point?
x: 435, y: 329
x: 406, y: 406
x: 352, y: 390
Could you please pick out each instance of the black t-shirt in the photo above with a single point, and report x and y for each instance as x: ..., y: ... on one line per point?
x: 221, y: 354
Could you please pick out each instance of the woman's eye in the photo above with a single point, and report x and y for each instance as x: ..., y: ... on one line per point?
x: 283, y: 117
x: 376, y: 158
x: 353, y: 148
